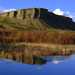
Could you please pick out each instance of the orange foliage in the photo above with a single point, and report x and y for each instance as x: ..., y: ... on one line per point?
x: 37, y: 36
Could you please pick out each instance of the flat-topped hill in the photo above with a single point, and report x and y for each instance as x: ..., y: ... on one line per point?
x: 35, y: 19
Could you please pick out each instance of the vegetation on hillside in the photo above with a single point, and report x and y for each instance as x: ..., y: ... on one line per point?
x: 48, y: 28
x: 54, y: 37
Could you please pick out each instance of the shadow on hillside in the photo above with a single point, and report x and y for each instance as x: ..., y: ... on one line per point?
x: 58, y: 22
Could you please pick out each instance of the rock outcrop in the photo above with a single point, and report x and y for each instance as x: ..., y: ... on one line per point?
x: 26, y: 13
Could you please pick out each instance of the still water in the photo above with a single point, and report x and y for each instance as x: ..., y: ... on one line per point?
x: 55, y: 65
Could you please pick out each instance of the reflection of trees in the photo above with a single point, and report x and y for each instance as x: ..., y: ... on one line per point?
x: 38, y: 60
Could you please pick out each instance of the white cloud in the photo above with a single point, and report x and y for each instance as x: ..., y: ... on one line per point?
x: 70, y: 14
x: 58, y: 12
x: 65, y: 13
x: 7, y: 10
x: 2, y: 9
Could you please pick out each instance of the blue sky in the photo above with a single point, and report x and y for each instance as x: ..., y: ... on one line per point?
x: 51, y: 4
x: 63, y: 5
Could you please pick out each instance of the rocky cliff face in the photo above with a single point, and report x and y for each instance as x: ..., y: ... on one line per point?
x: 46, y: 18
x: 26, y: 13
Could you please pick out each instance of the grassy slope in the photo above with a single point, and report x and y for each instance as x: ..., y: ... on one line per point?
x: 17, y: 24
x: 25, y: 25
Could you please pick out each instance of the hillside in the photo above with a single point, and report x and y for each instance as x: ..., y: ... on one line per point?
x: 36, y: 25
x: 36, y: 30
x: 35, y: 19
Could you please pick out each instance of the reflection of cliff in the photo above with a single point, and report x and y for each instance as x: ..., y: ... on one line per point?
x: 22, y: 56
x: 38, y: 49
x: 26, y: 53
x: 27, y: 56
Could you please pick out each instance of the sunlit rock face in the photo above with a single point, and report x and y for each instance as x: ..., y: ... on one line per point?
x: 26, y: 13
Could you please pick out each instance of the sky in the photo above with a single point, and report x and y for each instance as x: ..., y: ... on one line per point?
x: 60, y: 7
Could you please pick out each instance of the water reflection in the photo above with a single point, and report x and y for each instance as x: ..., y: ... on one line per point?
x: 55, y: 59
x: 18, y: 63
x: 22, y: 57
x: 39, y: 60
x: 66, y: 68
x: 27, y: 57
x: 34, y: 54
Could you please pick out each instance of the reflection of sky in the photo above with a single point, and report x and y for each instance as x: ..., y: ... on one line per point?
x: 55, y: 59
x: 51, y: 58
x: 65, y: 68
